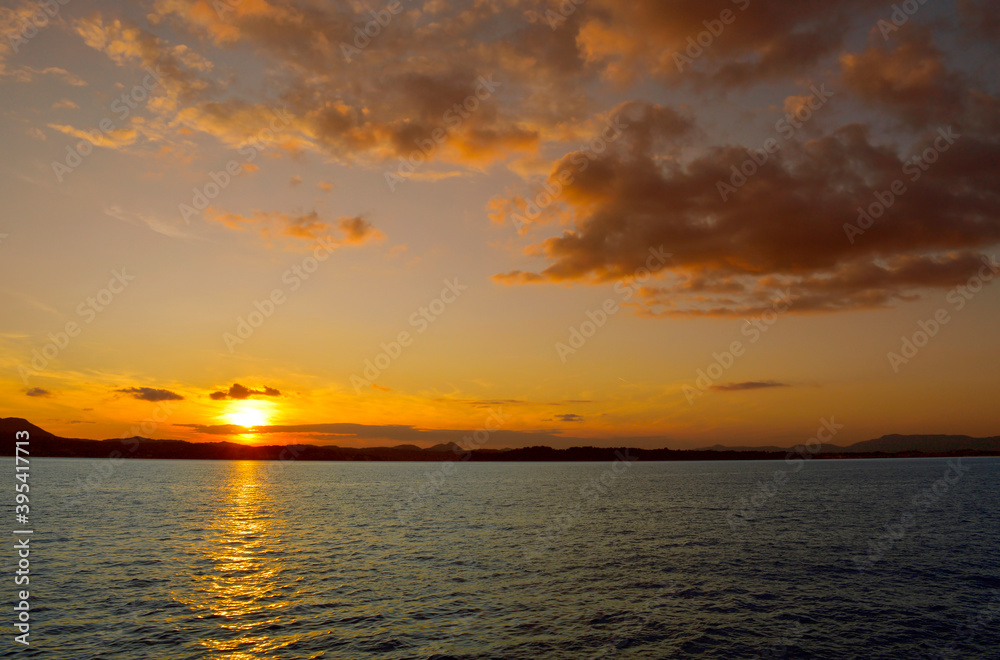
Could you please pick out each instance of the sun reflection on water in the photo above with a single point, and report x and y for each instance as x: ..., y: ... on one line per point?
x: 240, y: 586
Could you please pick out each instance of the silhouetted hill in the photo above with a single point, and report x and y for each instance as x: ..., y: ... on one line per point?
x: 44, y: 443
x: 11, y: 425
x: 927, y: 443
x: 895, y: 444
x: 448, y: 446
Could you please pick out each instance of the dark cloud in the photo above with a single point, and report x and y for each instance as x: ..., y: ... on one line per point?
x: 981, y: 19
x: 238, y: 391
x: 748, y: 385
x: 763, y: 41
x: 37, y: 391
x: 908, y: 77
x: 150, y: 394
x: 569, y: 417
x: 783, y: 229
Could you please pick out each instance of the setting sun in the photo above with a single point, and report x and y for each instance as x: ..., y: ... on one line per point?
x: 249, y: 414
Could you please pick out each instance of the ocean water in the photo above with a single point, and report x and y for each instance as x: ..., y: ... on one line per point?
x: 244, y: 560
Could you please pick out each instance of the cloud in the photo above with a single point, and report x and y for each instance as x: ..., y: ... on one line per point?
x: 748, y: 385
x: 981, y: 20
x: 112, y: 139
x: 27, y: 74
x: 181, y: 67
x: 295, y: 180
x: 762, y: 41
x: 325, y: 186
x: 378, y: 106
x: 240, y: 392
x: 37, y: 391
x: 483, y: 403
x: 151, y: 394
x: 732, y: 254
x: 306, y: 226
x: 169, y: 228
x: 357, y: 230
x: 656, y: 186
x: 569, y: 417
x: 65, y: 103
x: 911, y: 80
x: 13, y: 20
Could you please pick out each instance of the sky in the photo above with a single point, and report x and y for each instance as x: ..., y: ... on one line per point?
x: 520, y: 221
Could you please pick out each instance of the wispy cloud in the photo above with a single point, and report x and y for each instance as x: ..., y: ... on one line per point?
x: 748, y: 385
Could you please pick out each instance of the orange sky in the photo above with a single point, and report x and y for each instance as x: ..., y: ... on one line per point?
x: 658, y: 224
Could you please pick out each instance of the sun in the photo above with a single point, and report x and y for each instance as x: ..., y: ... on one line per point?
x: 249, y: 414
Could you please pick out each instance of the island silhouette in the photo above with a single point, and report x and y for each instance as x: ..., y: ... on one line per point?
x: 45, y: 444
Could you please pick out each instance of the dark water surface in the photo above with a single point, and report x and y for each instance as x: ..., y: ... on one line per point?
x: 240, y: 560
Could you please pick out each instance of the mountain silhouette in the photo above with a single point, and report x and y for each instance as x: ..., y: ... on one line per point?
x: 46, y: 444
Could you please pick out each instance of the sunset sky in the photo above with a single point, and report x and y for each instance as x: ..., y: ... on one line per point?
x: 250, y: 212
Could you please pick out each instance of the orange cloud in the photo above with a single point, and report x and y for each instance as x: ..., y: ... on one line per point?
x: 306, y: 226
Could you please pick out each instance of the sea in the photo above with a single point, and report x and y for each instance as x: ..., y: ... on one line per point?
x: 240, y: 560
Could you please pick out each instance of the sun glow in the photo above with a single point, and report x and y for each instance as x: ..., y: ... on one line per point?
x: 249, y: 414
